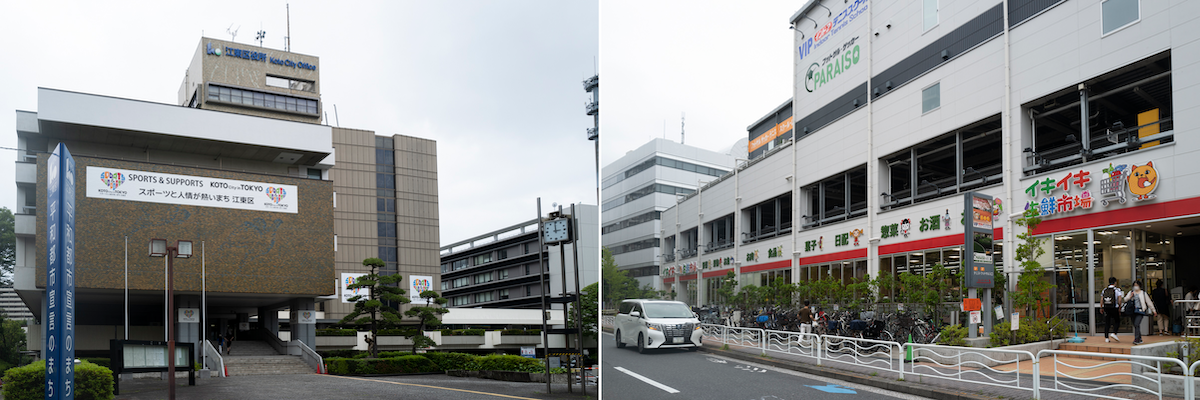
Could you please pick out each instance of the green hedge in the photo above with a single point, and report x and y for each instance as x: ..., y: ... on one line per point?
x: 28, y: 383
x: 101, y: 361
x: 521, y: 332
x: 397, y: 332
x: 371, y: 366
x: 336, y: 332
x: 449, y: 361
x: 462, y: 332
x: 506, y: 363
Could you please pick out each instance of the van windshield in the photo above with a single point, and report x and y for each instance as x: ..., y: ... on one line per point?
x: 666, y: 310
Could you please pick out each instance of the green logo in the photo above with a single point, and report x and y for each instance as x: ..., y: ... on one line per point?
x: 835, y: 64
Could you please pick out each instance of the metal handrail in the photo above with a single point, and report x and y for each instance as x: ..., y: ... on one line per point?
x: 211, y: 352
x: 273, y: 340
x: 978, y: 363
x: 307, y: 354
x: 797, y: 343
x: 1155, y: 365
x: 868, y: 353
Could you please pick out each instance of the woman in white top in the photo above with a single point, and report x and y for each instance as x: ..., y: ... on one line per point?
x: 1142, y: 307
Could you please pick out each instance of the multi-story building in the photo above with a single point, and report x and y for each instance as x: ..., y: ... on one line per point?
x: 901, y: 108
x: 500, y: 269
x: 243, y: 168
x: 12, y: 306
x: 641, y: 184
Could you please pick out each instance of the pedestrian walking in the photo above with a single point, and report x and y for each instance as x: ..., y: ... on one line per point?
x: 1110, y: 303
x: 1141, y: 306
x: 806, y: 318
x: 1162, y: 304
x: 228, y: 342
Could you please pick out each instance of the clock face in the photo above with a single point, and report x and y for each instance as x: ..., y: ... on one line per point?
x: 556, y: 231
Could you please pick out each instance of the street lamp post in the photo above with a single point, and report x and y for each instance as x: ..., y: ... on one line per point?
x: 182, y: 249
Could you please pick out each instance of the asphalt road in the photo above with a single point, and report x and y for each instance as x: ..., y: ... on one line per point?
x: 314, y: 386
x: 696, y: 375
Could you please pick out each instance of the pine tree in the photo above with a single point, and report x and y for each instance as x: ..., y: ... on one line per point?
x: 373, y: 309
x: 428, y: 315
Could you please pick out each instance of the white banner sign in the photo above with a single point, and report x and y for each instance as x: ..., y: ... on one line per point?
x: 152, y: 187
x: 306, y: 317
x: 418, y: 284
x: 189, y: 315
x: 349, y: 279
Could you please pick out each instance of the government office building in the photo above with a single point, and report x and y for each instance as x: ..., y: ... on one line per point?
x: 641, y: 184
x: 244, y: 168
x: 900, y: 108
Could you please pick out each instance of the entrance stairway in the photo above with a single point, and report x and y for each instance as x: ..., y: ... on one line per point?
x: 249, y: 357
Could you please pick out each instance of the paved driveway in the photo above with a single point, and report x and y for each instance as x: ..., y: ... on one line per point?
x: 313, y: 386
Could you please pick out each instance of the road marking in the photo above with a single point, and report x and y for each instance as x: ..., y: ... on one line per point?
x: 748, y: 368
x: 652, y: 382
x: 431, y: 387
x: 831, y: 388
x: 717, y: 360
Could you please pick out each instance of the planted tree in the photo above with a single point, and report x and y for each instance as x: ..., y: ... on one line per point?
x: 590, y: 307
x: 371, y: 310
x: 1030, y: 284
x: 429, y: 316
x: 8, y: 246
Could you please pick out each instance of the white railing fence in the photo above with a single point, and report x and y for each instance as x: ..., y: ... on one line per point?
x: 975, y: 366
x: 1085, y: 379
x: 310, y: 357
x: 1016, y: 369
x: 608, y: 321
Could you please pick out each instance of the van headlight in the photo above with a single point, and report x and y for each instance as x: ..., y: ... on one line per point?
x: 654, y: 327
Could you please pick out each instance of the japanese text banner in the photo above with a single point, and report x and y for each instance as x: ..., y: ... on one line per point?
x: 152, y: 187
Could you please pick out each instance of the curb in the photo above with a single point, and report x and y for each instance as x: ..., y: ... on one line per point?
x: 828, y: 372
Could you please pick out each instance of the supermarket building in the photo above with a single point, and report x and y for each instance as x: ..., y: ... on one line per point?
x: 900, y: 108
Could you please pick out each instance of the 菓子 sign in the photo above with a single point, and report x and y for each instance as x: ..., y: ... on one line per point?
x: 153, y: 187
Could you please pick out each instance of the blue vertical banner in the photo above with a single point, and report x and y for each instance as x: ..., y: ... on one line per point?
x: 60, y: 275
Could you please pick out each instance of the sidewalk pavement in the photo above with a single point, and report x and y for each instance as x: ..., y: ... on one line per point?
x: 318, y: 386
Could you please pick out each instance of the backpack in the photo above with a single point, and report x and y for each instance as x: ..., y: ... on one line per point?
x: 1109, y: 297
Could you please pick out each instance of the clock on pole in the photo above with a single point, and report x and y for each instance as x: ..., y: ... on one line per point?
x: 557, y: 231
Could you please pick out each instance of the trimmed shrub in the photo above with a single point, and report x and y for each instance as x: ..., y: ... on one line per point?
x: 450, y: 361
x: 507, y: 363
x: 397, y: 332
x: 521, y: 332
x: 339, y: 353
x: 336, y: 332
x: 953, y: 335
x: 28, y: 383
x: 462, y: 332
x: 373, y: 366
x: 101, y: 361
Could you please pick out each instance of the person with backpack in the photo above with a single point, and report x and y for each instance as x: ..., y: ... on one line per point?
x: 1109, y: 306
x: 1138, y: 303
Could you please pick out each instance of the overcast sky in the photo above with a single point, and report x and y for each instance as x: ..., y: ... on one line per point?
x: 496, y: 83
x: 724, y: 64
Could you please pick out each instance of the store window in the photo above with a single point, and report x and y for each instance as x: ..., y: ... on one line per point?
x: 1117, y: 14
x: 688, y: 243
x: 964, y: 160
x: 768, y: 219
x: 769, y: 277
x: 668, y: 250
x: 1128, y: 109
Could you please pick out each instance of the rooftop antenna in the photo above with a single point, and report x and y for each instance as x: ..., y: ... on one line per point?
x: 681, y: 118
x: 287, y: 40
x: 261, y: 34
x: 232, y: 32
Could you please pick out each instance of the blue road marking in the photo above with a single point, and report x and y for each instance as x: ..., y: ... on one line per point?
x: 831, y: 388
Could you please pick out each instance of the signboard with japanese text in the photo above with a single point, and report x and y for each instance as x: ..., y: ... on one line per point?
x: 418, y: 284
x: 347, y: 293
x: 979, y: 266
x: 1118, y: 184
x: 153, y: 187
x: 60, y: 275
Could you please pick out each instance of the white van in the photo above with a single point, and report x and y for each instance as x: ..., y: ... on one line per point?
x: 657, y: 324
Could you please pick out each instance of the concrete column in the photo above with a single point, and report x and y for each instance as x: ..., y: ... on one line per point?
x: 188, y: 332
x: 306, y: 333
x: 237, y: 325
x: 268, y: 318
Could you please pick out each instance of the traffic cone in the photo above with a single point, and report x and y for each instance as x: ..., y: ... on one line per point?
x: 908, y: 350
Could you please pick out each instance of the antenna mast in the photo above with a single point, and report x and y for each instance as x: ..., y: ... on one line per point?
x: 287, y: 40
x: 681, y: 120
x: 232, y: 32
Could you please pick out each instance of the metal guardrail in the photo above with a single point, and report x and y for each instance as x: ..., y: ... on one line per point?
x: 948, y: 362
x: 797, y: 343
x: 1154, y: 364
x: 878, y: 354
x: 213, y: 355
x: 608, y: 321
x: 298, y: 348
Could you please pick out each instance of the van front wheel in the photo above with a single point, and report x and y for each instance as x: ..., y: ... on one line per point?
x: 641, y: 344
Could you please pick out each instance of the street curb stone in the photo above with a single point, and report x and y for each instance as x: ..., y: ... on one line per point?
x: 895, y: 386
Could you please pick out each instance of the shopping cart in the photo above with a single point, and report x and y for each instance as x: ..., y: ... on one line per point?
x: 1112, y: 189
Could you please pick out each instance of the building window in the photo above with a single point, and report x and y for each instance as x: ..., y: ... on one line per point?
x: 688, y: 243
x: 459, y: 264
x: 646, y: 191
x: 665, y: 162
x: 445, y: 284
x: 959, y: 161
x: 483, y: 258
x: 768, y: 219
x: 503, y: 274
x: 503, y: 294
x: 460, y: 300
x: 930, y: 13
x: 1128, y: 109
x: 769, y: 277
x: 263, y: 100
x: 634, y: 246
x: 385, y: 181
x: 314, y: 173
x: 720, y: 233
x: 527, y: 269
x: 931, y: 98
x: 837, y: 198
x: 460, y: 282
x: 502, y: 254
x: 483, y: 278
x: 528, y: 290
x: 291, y: 83
x: 1117, y: 14
x: 631, y: 221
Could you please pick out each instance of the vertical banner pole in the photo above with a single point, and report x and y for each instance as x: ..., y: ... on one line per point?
x: 126, y: 287
x: 204, y: 309
x: 59, y: 324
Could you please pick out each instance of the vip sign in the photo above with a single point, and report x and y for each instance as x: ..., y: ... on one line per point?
x: 418, y: 284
